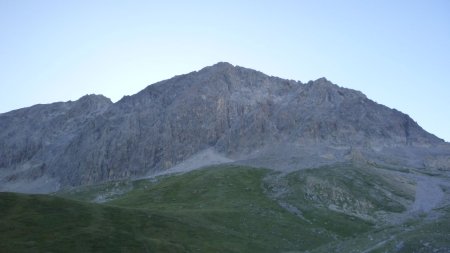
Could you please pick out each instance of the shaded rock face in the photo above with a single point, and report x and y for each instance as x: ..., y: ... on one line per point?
x: 238, y: 112
x: 31, y: 139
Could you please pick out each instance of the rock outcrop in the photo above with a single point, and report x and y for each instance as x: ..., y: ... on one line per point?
x: 241, y: 114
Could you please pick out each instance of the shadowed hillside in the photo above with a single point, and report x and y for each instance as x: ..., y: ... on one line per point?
x: 232, y: 209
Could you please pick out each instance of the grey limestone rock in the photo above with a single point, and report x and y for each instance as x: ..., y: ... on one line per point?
x: 241, y: 114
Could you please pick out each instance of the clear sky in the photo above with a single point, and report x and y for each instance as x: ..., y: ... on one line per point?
x: 396, y: 52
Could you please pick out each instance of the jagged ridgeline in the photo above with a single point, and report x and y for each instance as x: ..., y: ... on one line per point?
x: 220, y: 114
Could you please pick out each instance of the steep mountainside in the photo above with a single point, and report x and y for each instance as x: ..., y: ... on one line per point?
x: 32, y: 138
x: 235, y: 113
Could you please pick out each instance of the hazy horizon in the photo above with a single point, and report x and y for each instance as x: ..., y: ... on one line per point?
x: 397, y: 53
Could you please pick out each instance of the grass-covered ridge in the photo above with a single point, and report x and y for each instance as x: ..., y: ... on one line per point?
x: 218, y: 209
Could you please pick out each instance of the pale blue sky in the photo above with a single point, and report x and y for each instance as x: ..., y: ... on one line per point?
x: 396, y: 52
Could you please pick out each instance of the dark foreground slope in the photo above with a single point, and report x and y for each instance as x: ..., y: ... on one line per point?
x: 231, y: 209
x: 235, y: 113
x: 171, y: 216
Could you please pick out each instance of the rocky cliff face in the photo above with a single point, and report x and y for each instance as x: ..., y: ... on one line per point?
x: 32, y: 138
x: 241, y: 114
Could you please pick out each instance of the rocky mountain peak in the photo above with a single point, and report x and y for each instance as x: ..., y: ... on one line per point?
x: 220, y: 66
x: 92, y: 103
x: 95, y: 98
x: 321, y: 81
x: 237, y: 114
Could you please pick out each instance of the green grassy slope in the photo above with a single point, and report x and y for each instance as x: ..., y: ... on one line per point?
x: 229, y: 200
x: 219, y: 209
x: 40, y: 223
x: 417, y: 236
x: 215, y: 210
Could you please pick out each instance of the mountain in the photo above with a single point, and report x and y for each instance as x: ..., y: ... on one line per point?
x: 220, y: 114
x: 283, y: 166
